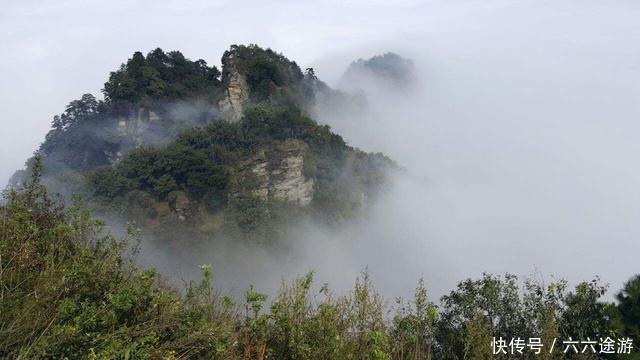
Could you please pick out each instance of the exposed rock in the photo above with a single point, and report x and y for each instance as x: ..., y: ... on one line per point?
x: 179, y: 204
x: 235, y: 94
x: 261, y: 76
x: 132, y: 131
x: 133, y: 127
x: 278, y: 174
x: 254, y: 176
x: 288, y: 181
x: 152, y: 116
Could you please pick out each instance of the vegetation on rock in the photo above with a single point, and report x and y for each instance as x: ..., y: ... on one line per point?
x: 160, y: 135
x: 158, y: 149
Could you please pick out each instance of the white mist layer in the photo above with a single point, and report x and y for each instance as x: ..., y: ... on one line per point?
x: 522, y: 148
x: 526, y: 137
x: 521, y: 154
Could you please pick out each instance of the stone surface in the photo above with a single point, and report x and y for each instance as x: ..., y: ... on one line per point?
x: 132, y: 131
x: 236, y: 93
x: 278, y: 174
x: 288, y: 181
x: 179, y: 204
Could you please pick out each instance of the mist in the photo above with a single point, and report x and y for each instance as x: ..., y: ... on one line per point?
x: 519, y: 144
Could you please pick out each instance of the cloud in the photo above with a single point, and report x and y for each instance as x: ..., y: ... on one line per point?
x: 523, y: 139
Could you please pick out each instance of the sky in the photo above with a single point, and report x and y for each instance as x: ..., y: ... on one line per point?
x: 522, y: 144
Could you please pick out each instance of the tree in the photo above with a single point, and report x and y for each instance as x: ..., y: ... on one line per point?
x: 310, y: 74
x: 629, y: 308
x: 159, y: 76
x: 414, y: 326
x: 584, y: 315
x: 69, y: 290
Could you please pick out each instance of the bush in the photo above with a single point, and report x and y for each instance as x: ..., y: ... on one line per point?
x: 68, y: 290
x: 160, y: 76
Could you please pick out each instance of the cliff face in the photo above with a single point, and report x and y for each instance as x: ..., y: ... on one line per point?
x: 289, y: 181
x: 278, y: 173
x: 131, y: 132
x: 236, y: 93
x: 178, y: 146
x: 255, y: 76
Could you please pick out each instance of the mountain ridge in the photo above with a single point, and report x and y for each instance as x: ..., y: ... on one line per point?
x: 180, y: 143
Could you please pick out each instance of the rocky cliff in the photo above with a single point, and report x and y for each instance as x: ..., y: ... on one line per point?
x: 176, y: 142
x: 278, y: 173
x: 236, y: 94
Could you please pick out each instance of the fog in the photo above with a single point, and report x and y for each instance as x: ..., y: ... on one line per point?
x: 524, y: 141
x: 520, y: 144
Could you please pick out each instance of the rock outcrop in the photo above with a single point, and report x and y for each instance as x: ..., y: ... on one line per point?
x: 278, y: 173
x: 132, y: 131
x: 288, y: 181
x: 237, y: 151
x: 255, y: 76
x: 179, y: 204
x: 235, y: 94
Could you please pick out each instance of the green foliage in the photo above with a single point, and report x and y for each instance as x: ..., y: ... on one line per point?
x: 68, y: 289
x: 203, y: 163
x: 477, y: 337
x: 262, y: 126
x: 160, y: 76
x: 414, y: 326
x: 492, y: 296
x: 162, y: 171
x: 155, y: 134
x: 272, y: 78
x: 495, y: 306
x: 263, y: 77
x: 87, y: 134
x: 251, y: 212
x: 584, y: 314
x: 78, y: 137
x: 629, y: 308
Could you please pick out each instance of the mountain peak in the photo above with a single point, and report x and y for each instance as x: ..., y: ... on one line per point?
x: 178, y: 144
x: 251, y: 74
x: 389, y: 69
